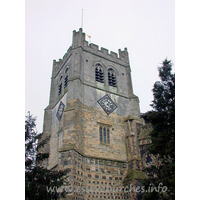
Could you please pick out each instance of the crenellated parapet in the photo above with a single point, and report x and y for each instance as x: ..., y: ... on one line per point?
x: 79, y: 40
x: 57, y: 65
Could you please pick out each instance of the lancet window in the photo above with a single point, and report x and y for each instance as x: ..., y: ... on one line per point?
x: 104, y: 135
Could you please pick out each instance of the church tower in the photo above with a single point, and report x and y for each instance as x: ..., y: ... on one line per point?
x: 92, y: 119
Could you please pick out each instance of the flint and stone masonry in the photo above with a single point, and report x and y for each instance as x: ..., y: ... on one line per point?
x: 98, y: 141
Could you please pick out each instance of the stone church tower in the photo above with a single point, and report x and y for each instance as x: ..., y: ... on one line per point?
x: 93, y: 118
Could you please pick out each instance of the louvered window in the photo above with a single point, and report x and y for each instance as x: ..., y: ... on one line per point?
x: 66, y: 81
x: 99, y: 74
x: 66, y: 77
x: 112, y: 78
x: 59, y: 89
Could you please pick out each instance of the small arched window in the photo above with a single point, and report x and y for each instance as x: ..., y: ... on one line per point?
x: 66, y: 70
x: 61, y: 77
x: 99, y: 74
x: 66, y: 77
x: 104, y: 135
x: 108, y: 136
x: 100, y: 134
x: 112, y: 78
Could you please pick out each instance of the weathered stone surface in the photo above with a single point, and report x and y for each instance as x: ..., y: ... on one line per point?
x: 75, y: 139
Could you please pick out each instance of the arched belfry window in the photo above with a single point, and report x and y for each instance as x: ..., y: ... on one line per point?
x: 60, y: 84
x: 60, y: 89
x: 99, y: 74
x: 112, y: 78
x: 66, y: 77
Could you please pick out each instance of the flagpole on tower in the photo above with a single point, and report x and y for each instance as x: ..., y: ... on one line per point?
x: 82, y: 20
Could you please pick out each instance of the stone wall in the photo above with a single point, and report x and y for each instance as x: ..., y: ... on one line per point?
x: 96, y: 178
x: 75, y: 138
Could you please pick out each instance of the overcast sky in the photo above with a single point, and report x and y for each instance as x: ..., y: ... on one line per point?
x: 146, y: 28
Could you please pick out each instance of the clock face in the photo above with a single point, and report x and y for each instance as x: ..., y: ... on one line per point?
x: 107, y: 104
x: 60, y: 110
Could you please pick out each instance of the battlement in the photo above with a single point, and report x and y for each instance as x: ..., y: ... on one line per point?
x: 79, y: 40
x: 60, y: 61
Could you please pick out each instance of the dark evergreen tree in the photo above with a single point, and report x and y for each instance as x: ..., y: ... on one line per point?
x: 40, y: 182
x: 162, y: 119
x: 30, y: 142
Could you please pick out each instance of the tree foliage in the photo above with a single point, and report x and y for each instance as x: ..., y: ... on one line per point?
x: 162, y: 119
x: 37, y: 177
x: 30, y: 142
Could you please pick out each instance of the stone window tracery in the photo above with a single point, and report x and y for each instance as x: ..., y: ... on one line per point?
x: 104, y: 135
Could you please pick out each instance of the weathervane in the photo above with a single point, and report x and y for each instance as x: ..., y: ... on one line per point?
x: 89, y: 38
